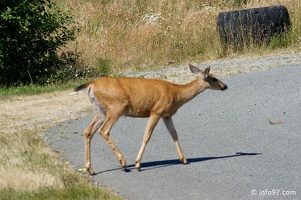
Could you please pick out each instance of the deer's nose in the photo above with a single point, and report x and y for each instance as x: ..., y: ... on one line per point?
x: 225, y: 87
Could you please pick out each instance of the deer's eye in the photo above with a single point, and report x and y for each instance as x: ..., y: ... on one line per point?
x: 214, y: 79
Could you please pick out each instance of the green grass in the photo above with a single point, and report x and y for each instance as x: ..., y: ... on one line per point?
x: 33, y: 89
x: 76, y: 192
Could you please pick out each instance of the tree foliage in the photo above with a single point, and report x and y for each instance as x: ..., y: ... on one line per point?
x: 31, y: 33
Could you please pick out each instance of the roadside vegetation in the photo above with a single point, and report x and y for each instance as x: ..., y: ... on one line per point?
x: 102, y: 37
x: 119, y: 36
x: 33, y: 89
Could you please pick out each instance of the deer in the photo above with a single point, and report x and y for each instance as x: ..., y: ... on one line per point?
x: 113, y: 97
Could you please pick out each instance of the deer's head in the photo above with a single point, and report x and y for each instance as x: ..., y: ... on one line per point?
x: 209, y: 81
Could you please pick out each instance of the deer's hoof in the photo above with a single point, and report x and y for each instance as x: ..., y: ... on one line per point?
x: 137, y: 165
x: 90, y: 170
x: 125, y: 169
x: 185, y: 162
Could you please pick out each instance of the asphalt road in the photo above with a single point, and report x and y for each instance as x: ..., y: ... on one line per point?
x: 243, y: 143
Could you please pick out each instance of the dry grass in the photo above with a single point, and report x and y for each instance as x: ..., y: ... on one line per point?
x: 29, y: 169
x: 142, y: 35
x: 23, y: 153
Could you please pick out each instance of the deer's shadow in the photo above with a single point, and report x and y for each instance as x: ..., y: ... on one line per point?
x: 164, y: 163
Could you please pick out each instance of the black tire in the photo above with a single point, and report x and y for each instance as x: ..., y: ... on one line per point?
x: 240, y: 27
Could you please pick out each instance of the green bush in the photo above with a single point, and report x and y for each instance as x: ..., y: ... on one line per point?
x: 31, y: 34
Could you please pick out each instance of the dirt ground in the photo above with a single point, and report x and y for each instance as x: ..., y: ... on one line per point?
x: 37, y: 111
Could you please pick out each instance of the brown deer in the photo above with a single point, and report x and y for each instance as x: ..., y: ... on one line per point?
x: 136, y: 97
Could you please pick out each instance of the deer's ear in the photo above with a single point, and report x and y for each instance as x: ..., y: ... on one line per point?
x: 206, y: 72
x: 194, y: 69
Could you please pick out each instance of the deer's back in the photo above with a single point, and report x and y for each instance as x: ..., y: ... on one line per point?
x: 138, y: 97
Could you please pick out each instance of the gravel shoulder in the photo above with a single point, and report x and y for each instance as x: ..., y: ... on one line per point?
x: 225, y: 67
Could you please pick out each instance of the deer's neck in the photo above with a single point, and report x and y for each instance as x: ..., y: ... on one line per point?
x: 190, y: 90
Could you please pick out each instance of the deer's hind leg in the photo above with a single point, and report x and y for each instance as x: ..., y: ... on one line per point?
x: 89, y: 132
x: 111, y: 118
x: 171, y: 129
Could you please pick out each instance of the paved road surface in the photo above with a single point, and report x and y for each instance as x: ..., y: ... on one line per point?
x: 243, y: 143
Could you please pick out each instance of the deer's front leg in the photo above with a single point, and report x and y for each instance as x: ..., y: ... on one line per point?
x: 152, y: 122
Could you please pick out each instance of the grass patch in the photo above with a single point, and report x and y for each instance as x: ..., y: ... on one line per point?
x: 35, y: 172
x: 78, y: 192
x: 28, y: 168
x: 33, y: 89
